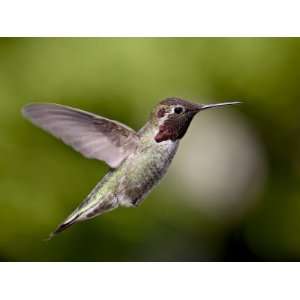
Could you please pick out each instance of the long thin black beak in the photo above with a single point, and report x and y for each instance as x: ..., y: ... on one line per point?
x: 217, y: 105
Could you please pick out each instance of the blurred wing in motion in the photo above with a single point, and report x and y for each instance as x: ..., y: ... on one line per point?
x: 91, y: 135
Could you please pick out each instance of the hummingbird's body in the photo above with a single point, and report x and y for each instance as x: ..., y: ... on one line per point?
x: 129, y: 184
x: 132, y: 181
x: 138, y: 160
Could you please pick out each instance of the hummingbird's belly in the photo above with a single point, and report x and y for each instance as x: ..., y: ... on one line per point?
x: 131, y: 182
x: 143, y: 170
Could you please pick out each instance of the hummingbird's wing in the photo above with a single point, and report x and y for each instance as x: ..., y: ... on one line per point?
x: 91, y: 135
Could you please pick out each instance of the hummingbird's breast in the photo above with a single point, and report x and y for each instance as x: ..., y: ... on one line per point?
x: 144, y: 169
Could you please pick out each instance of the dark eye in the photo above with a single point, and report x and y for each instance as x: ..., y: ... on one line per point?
x: 178, y: 110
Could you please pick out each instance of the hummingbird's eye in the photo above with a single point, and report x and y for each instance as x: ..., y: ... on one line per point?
x: 178, y: 110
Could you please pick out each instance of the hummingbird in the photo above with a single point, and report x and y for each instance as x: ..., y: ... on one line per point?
x: 137, y: 160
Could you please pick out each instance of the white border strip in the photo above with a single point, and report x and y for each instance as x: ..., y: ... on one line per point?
x: 149, y: 18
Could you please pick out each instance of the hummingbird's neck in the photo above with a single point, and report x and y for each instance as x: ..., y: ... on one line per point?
x: 149, y: 130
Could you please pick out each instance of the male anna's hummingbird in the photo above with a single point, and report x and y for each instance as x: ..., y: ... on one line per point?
x: 138, y: 160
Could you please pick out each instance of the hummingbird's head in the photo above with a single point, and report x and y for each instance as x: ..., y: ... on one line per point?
x: 174, y: 115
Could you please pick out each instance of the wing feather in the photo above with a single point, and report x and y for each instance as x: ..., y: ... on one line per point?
x: 91, y: 135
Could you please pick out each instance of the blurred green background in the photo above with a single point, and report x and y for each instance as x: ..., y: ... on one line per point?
x: 233, y: 191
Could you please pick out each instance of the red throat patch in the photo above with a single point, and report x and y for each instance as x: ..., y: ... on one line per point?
x: 165, y: 133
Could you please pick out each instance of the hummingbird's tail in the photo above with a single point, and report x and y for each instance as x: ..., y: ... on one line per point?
x: 96, y: 203
x: 63, y: 226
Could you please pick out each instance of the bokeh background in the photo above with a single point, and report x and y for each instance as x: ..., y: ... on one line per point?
x: 233, y: 190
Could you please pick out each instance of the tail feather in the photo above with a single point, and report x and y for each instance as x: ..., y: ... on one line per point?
x: 63, y: 226
x: 92, y: 206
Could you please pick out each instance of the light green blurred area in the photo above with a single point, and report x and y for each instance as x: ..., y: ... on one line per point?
x: 42, y: 180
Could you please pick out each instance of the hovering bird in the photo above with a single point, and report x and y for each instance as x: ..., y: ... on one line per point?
x: 138, y: 160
